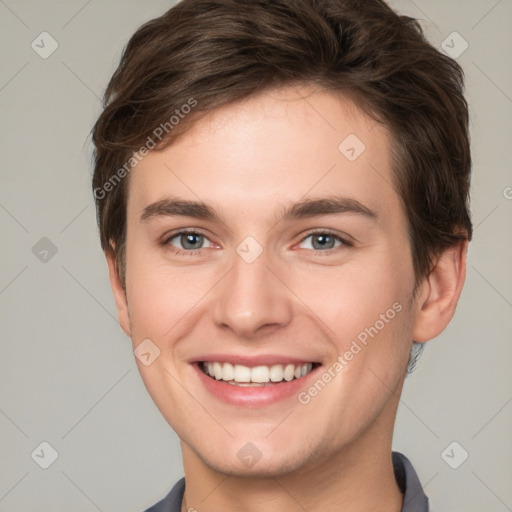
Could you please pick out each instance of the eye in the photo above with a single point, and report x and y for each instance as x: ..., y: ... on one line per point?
x: 188, y: 241
x: 323, y: 241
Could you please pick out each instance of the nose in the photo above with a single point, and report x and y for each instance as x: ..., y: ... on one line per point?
x: 251, y: 300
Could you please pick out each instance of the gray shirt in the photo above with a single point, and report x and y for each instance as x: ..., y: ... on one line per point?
x: 407, y: 479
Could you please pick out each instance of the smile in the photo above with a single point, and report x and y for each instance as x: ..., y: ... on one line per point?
x: 245, y: 376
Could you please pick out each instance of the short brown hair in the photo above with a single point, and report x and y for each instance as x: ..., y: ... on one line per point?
x: 216, y: 52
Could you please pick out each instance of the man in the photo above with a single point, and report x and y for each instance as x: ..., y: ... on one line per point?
x: 282, y: 196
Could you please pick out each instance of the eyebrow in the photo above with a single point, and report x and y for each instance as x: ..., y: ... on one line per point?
x: 325, y: 206
x: 305, y: 208
x: 170, y: 207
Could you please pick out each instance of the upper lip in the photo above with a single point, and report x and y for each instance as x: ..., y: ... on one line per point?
x: 251, y: 361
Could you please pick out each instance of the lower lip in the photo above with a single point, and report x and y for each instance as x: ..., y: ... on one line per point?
x: 253, y: 396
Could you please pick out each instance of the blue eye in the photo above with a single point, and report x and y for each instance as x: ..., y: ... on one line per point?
x: 323, y: 241
x: 191, y: 242
x: 188, y: 241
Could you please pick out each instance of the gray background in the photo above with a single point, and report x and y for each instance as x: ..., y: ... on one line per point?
x: 67, y: 372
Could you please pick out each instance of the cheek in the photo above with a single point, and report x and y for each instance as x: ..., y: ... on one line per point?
x: 163, y: 299
x: 352, y: 297
x: 365, y: 306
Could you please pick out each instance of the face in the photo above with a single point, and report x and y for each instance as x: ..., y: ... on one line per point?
x: 268, y: 249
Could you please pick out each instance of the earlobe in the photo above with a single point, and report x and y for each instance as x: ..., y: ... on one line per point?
x: 440, y: 293
x: 119, y: 292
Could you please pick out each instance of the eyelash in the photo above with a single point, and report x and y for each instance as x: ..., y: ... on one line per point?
x: 192, y: 252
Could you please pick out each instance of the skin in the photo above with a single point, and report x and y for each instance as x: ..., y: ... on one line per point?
x: 248, y: 161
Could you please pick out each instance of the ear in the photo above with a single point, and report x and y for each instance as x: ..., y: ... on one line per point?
x: 119, y: 293
x: 440, y: 292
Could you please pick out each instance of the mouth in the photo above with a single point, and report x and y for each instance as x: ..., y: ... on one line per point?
x: 254, y: 381
x: 256, y: 376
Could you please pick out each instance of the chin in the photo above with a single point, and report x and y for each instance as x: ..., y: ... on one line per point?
x: 257, y: 459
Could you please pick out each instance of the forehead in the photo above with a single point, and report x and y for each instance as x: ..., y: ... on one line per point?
x: 273, y: 148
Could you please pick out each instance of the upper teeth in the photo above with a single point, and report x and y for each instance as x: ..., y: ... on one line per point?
x: 259, y: 374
